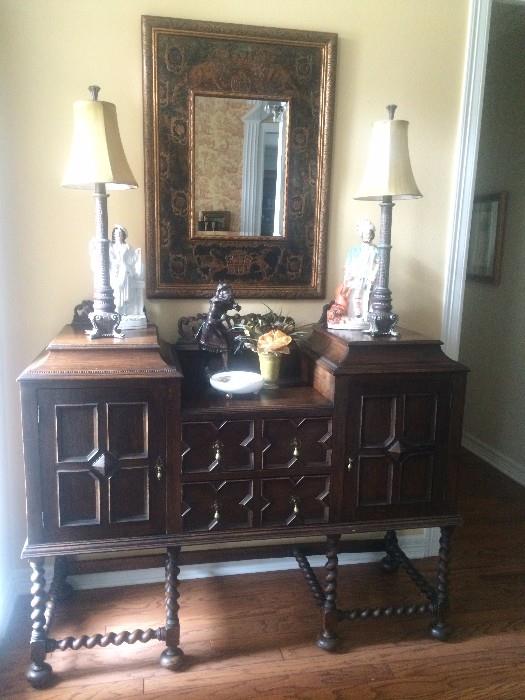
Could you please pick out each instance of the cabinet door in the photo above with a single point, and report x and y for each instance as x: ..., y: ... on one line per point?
x: 102, y: 462
x: 397, y: 435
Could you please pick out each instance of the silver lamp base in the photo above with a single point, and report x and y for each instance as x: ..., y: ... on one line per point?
x: 105, y: 325
x: 382, y: 323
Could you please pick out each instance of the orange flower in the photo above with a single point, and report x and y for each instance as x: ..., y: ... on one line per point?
x: 274, y: 341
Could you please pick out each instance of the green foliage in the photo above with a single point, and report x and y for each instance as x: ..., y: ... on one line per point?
x: 252, y: 326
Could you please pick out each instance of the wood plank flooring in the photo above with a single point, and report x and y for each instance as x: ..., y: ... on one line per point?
x: 253, y: 636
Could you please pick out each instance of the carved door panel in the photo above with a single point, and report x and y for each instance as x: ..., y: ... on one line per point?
x: 217, y: 505
x: 290, y: 501
x: 102, y: 462
x: 216, y: 446
x: 293, y: 443
x: 396, y: 446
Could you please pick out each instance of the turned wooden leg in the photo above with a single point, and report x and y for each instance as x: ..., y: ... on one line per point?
x: 440, y: 629
x: 172, y: 656
x: 389, y: 562
x: 39, y: 673
x: 328, y: 638
x: 60, y: 589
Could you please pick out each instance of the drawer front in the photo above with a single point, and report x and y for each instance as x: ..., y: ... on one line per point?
x: 292, y: 501
x: 214, y: 446
x: 220, y: 505
x: 245, y: 503
x: 291, y: 443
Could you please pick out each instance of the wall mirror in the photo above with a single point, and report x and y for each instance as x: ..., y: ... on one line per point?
x: 237, y: 132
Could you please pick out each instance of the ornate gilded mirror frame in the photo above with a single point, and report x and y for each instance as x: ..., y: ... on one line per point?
x: 184, y: 58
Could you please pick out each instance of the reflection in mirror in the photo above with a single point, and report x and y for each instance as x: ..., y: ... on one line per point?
x: 240, y: 157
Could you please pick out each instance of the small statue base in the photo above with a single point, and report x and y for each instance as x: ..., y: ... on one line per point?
x: 348, y: 324
x: 131, y: 321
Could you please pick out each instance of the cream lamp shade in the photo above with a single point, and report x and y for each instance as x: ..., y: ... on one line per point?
x: 97, y: 155
x: 388, y: 171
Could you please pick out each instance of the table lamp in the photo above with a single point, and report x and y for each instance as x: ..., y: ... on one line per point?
x: 97, y: 162
x: 388, y: 176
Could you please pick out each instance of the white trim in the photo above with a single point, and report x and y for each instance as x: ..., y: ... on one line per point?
x: 466, y: 162
x: 508, y: 466
x: 432, y: 535
x: 415, y: 547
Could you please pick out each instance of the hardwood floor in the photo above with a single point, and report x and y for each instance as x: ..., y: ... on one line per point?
x: 253, y: 636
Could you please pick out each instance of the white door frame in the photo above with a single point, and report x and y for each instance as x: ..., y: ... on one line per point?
x: 466, y: 162
x: 465, y: 180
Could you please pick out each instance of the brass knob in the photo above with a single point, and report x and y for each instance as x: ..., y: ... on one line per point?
x: 217, y: 446
x: 216, y: 514
x: 294, y: 500
x: 295, y: 444
x: 159, y: 469
x: 349, y: 465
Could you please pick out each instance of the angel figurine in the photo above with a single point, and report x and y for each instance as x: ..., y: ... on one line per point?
x: 350, y: 308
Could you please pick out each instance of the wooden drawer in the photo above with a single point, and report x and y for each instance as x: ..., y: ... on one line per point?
x: 214, y: 505
x: 223, y: 445
x: 296, y: 442
x: 292, y: 501
x: 246, y: 503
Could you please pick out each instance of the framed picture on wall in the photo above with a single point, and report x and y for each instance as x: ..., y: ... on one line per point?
x: 486, y: 237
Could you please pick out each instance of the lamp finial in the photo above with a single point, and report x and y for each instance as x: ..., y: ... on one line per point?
x: 391, y: 110
x: 93, y: 91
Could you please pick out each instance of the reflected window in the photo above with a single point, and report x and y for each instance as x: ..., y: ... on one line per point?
x: 240, y: 148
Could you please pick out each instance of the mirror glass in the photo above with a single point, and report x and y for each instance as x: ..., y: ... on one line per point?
x: 240, y: 166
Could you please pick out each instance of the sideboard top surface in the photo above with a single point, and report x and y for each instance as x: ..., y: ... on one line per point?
x: 72, y: 355
x: 349, y: 352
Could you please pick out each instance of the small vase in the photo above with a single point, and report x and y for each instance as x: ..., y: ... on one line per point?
x: 270, y: 364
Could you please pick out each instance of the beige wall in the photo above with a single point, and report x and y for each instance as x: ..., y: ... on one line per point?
x: 493, y: 331
x: 406, y: 51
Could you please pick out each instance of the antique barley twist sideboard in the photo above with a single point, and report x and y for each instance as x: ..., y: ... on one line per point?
x: 116, y: 460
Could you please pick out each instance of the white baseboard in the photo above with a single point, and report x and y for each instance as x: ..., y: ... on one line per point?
x: 415, y: 546
x: 508, y: 466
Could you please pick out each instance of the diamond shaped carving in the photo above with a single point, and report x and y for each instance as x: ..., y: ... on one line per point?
x: 104, y: 464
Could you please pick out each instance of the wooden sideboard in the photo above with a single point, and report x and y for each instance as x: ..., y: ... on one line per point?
x: 116, y: 460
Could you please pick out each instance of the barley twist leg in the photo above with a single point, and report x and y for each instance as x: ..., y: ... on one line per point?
x: 39, y: 674
x: 328, y: 638
x: 390, y: 563
x: 440, y: 629
x: 172, y: 657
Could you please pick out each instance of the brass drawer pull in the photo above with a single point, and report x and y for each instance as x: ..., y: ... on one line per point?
x: 294, y: 500
x: 217, y: 446
x: 159, y: 469
x: 295, y: 444
x: 350, y: 464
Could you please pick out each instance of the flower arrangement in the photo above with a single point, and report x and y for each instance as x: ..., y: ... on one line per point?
x: 268, y: 333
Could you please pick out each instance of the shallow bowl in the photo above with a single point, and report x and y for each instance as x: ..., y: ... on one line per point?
x: 237, y: 382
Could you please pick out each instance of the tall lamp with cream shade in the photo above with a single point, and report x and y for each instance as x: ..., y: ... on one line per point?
x: 388, y: 176
x: 97, y: 162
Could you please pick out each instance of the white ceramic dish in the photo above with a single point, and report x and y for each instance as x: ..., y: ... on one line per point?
x: 236, y: 382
